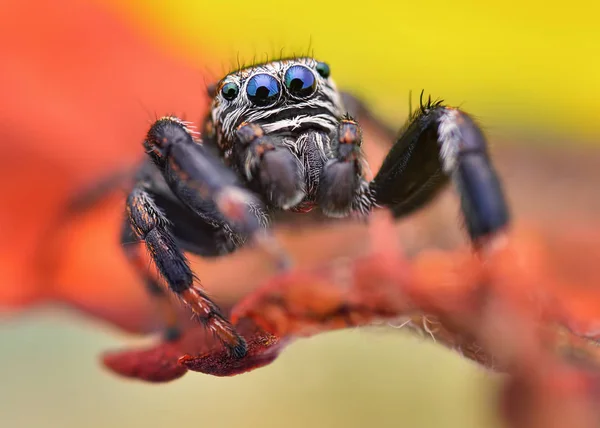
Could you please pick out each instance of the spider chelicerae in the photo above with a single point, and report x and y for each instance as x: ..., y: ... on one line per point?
x: 281, y: 138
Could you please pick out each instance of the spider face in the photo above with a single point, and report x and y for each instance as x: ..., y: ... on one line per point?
x: 290, y: 96
x: 297, y: 110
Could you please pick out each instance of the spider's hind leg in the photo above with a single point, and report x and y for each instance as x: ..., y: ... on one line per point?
x: 441, y: 144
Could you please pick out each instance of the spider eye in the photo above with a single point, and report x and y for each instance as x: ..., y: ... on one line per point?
x: 230, y: 91
x: 263, y: 89
x: 300, y: 81
x: 323, y: 69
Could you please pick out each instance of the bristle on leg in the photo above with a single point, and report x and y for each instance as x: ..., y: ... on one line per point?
x: 210, y: 315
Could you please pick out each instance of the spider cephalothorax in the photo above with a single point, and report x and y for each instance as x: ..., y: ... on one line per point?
x: 280, y: 125
x: 278, y: 137
x: 285, y: 95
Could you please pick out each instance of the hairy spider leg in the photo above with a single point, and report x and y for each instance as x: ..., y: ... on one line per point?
x: 437, y: 145
x: 199, y: 178
x: 342, y: 187
x: 269, y: 166
x: 203, y: 183
x: 151, y: 226
x: 205, y: 186
x: 135, y: 254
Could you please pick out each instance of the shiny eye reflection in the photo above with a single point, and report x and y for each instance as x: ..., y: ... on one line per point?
x: 230, y: 91
x: 263, y: 89
x: 300, y: 81
x: 323, y: 69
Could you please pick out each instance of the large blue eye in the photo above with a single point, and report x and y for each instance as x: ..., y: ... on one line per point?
x: 300, y: 81
x: 263, y: 89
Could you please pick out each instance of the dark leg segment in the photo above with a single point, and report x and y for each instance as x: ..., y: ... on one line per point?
x: 265, y: 160
x: 151, y: 226
x: 207, y: 187
x: 200, y: 180
x: 437, y: 144
x: 134, y: 251
x: 342, y: 187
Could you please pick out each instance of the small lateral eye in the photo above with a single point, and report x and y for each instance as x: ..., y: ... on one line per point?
x: 230, y: 91
x: 300, y: 81
x: 263, y: 89
x: 323, y: 69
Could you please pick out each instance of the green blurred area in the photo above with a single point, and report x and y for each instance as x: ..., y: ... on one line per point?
x: 51, y: 378
x: 521, y: 67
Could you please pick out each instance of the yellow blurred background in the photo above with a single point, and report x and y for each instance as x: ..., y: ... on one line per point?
x: 530, y: 71
x: 518, y: 66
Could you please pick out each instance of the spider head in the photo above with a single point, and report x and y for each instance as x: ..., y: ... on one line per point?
x: 286, y: 97
x: 277, y: 124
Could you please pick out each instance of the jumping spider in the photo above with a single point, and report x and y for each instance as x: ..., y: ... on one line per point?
x: 279, y: 139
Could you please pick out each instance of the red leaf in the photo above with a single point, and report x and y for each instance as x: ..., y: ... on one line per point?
x: 198, y: 351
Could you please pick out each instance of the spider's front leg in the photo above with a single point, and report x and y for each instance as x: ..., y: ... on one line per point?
x: 438, y: 144
x: 208, y: 190
x: 152, y: 227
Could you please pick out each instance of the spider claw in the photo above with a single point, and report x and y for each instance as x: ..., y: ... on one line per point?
x: 238, y: 351
x: 229, y: 337
x: 209, y: 315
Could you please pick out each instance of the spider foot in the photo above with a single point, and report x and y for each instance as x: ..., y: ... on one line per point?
x: 210, y: 316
